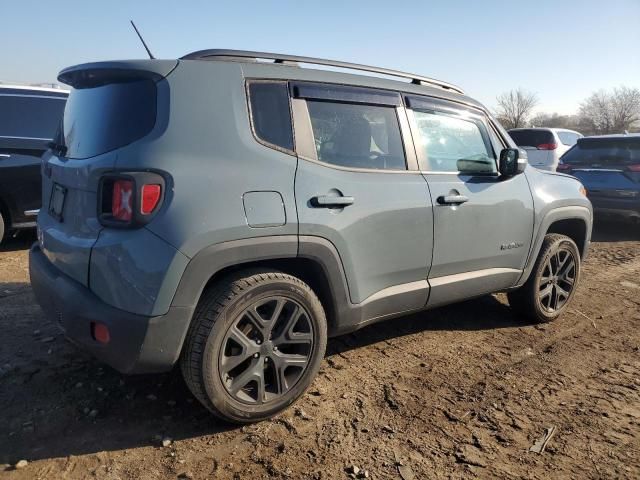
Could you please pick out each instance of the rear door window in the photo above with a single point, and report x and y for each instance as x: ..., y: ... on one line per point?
x: 30, y: 116
x: 102, y: 118
x: 531, y: 137
x: 357, y: 135
x: 270, y: 113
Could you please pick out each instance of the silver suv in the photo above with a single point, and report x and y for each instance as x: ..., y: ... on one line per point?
x: 229, y: 215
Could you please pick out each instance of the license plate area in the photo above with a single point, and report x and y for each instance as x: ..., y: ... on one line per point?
x: 56, y: 202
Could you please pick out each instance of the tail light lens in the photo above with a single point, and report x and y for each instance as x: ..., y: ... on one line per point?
x: 547, y: 146
x: 563, y: 167
x: 122, y: 200
x: 634, y: 168
x: 150, y: 198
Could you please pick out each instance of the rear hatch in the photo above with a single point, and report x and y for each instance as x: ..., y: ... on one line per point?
x: 609, y: 168
x: 111, y: 105
x: 538, y: 143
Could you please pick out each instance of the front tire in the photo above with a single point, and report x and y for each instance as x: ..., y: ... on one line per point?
x: 254, y: 346
x: 552, y: 283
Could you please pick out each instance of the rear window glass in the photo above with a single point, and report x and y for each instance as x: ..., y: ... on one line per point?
x: 531, y: 138
x: 605, y: 154
x: 270, y: 113
x: 30, y: 117
x: 568, y: 138
x: 100, y: 119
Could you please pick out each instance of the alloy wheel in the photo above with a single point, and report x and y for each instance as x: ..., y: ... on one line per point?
x: 266, y: 350
x: 557, y: 281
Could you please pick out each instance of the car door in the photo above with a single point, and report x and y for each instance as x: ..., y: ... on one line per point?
x: 483, y: 223
x: 28, y: 121
x: 358, y: 186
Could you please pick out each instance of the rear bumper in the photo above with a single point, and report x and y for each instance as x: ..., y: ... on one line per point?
x: 138, y: 344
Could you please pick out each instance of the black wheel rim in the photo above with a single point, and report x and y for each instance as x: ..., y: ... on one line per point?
x: 557, y: 281
x: 266, y: 350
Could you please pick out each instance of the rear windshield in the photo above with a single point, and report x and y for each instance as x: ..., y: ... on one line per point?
x: 604, y: 153
x: 103, y: 118
x: 531, y: 138
x: 30, y: 116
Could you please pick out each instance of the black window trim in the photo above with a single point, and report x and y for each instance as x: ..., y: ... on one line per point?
x: 257, y: 138
x: 418, y: 103
x: 340, y: 93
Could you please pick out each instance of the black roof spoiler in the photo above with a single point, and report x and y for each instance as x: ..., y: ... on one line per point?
x: 218, y: 54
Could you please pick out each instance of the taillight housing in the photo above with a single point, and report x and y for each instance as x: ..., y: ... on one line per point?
x: 131, y: 199
x: 634, y: 168
x: 547, y: 146
x: 563, y: 167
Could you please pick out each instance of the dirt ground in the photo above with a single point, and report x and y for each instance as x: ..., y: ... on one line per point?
x: 459, y: 392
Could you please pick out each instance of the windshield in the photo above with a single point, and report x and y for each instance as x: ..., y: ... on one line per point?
x: 100, y: 119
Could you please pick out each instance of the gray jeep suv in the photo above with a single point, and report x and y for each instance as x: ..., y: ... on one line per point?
x: 229, y: 211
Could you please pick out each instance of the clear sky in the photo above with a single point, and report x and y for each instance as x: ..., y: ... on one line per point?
x: 563, y: 50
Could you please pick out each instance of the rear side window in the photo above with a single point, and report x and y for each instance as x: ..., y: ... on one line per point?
x: 568, y: 138
x: 357, y: 135
x: 30, y: 116
x: 270, y: 113
x: 101, y: 119
x: 452, y: 144
x: 531, y: 137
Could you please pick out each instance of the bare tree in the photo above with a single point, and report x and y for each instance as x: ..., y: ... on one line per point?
x: 515, y: 107
x: 611, y: 112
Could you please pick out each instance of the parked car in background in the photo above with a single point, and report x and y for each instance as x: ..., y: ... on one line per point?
x: 609, y: 168
x: 29, y: 118
x: 544, y: 146
x: 187, y: 224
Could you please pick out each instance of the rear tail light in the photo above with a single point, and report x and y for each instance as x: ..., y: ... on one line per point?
x: 547, y: 146
x: 150, y: 198
x: 100, y: 332
x: 131, y: 199
x: 563, y: 167
x: 122, y: 200
x: 634, y: 168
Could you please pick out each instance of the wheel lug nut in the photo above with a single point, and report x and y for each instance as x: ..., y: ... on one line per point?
x: 266, y: 360
x: 256, y: 355
x: 258, y: 341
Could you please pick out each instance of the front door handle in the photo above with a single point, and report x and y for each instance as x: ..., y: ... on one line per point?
x: 452, y: 199
x: 330, y: 201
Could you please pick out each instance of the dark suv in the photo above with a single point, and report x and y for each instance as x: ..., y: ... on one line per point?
x: 29, y: 118
x: 229, y: 214
x: 609, y: 168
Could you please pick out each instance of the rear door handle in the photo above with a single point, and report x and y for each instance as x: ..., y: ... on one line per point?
x: 452, y: 199
x: 328, y: 201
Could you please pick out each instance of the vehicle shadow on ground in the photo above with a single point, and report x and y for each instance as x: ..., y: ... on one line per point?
x: 609, y: 230
x: 483, y: 313
x: 22, y: 241
x: 60, y: 402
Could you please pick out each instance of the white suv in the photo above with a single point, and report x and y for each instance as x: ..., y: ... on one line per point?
x: 544, y: 146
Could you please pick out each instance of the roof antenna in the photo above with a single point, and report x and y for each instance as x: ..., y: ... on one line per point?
x: 142, y: 40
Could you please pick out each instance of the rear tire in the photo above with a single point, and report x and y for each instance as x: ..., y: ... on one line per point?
x: 254, y: 346
x: 552, y: 283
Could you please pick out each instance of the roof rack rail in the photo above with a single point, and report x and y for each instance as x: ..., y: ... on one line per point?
x: 283, y: 58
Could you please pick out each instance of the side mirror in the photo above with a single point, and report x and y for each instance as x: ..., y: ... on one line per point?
x: 512, y: 162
